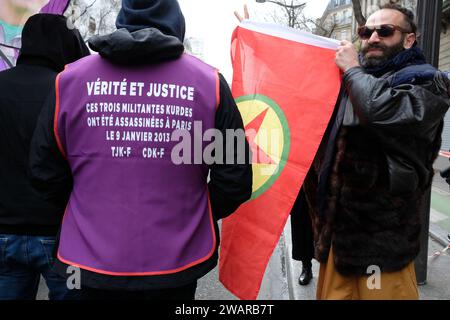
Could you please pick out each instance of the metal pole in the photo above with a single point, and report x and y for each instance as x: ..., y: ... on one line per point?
x: 429, y: 14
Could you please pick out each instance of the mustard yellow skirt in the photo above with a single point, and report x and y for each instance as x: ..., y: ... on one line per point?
x: 401, y: 285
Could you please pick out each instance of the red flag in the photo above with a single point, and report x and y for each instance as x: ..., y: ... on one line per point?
x: 286, y: 84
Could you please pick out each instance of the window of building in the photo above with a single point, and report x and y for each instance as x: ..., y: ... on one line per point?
x: 346, y: 16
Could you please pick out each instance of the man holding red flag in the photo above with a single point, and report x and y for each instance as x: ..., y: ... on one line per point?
x: 378, y: 165
x: 370, y: 175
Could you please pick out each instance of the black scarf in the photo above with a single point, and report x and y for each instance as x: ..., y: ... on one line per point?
x: 408, y: 57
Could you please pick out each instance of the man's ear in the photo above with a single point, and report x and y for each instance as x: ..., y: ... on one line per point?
x: 410, y: 39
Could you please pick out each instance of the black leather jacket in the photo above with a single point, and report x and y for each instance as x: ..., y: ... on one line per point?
x: 381, y: 166
x: 405, y: 111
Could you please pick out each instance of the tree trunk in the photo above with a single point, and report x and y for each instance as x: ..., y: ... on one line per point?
x: 358, y: 12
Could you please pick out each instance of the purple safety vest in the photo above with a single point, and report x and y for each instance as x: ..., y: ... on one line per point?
x: 55, y: 6
x: 132, y: 211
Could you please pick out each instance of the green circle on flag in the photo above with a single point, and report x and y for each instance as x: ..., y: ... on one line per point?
x: 269, y: 137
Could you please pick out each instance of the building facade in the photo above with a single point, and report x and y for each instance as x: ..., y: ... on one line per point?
x: 370, y: 6
x: 337, y: 20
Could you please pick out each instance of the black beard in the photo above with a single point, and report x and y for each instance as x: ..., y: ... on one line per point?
x: 389, y: 53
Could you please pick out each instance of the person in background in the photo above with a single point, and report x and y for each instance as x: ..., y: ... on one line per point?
x: 30, y: 220
x: 302, y: 238
x: 13, y: 15
x: 375, y: 164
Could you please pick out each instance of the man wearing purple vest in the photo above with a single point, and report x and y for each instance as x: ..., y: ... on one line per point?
x: 141, y: 220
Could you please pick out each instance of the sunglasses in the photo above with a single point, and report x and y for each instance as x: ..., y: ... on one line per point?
x: 383, y: 31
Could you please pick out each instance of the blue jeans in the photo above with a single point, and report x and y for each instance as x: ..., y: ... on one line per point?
x: 23, y: 259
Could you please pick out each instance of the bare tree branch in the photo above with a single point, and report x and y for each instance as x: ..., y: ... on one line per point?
x: 87, y: 8
x: 288, y: 12
x: 358, y: 12
x: 326, y: 31
x: 93, y: 17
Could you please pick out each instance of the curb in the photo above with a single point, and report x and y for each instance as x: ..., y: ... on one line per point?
x: 289, y: 262
x: 297, y: 292
x: 438, y: 234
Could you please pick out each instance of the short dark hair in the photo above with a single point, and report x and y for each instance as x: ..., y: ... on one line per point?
x: 408, y: 15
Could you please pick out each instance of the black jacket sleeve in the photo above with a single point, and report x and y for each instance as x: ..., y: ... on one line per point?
x: 230, y: 183
x: 412, y: 108
x: 407, y: 121
x: 49, y: 171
